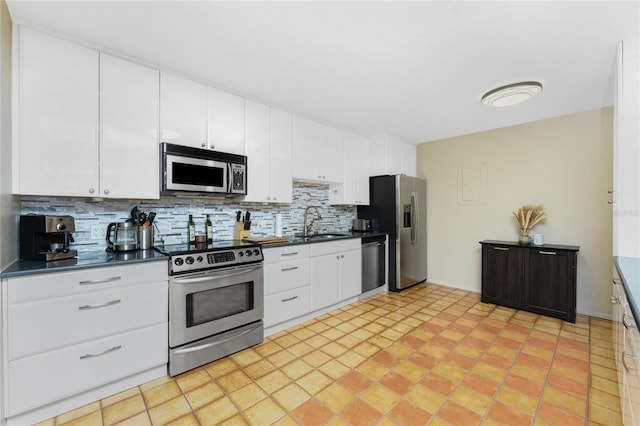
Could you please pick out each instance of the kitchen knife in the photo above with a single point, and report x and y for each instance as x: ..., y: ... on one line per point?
x: 238, y: 213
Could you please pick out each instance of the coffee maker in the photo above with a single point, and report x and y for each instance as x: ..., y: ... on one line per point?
x: 46, y: 237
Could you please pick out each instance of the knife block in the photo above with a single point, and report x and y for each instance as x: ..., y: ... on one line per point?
x: 239, y: 233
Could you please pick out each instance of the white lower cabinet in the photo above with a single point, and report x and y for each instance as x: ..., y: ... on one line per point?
x: 302, y: 280
x: 336, y: 272
x: 66, y: 334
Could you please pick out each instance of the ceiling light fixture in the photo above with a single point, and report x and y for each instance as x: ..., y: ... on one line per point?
x: 511, y: 94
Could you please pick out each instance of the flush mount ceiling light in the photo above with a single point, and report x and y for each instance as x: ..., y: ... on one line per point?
x: 511, y: 94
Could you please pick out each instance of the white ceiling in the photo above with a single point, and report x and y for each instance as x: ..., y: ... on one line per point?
x: 413, y: 69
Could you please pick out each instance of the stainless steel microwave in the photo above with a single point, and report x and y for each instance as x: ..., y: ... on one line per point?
x: 199, y: 171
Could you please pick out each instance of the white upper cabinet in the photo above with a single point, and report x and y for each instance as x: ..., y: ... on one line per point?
x: 355, y: 189
x: 183, y: 111
x: 226, y: 122
x: 55, y: 149
x: 392, y: 156
x: 129, y: 104
x: 268, y: 137
x: 318, y: 152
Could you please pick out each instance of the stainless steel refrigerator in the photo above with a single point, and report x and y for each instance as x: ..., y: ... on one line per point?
x: 398, y: 206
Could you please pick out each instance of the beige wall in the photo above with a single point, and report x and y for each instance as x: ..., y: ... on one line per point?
x: 564, y: 163
x: 8, y: 204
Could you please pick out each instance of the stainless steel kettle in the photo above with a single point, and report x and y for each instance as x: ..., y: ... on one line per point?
x: 125, y: 236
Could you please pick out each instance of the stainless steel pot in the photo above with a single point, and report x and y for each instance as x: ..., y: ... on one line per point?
x: 125, y: 236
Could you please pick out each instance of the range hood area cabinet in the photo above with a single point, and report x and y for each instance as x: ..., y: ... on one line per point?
x: 268, y: 140
x: 318, y: 152
x: 199, y: 116
x: 355, y: 189
x: 83, y: 121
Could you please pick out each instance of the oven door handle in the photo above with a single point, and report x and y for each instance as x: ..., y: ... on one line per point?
x: 215, y: 274
x: 211, y: 344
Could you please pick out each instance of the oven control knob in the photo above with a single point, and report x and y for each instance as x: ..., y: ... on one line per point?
x: 256, y: 252
x: 189, y: 260
x: 240, y: 253
x: 178, y: 261
x: 248, y: 253
x: 199, y: 259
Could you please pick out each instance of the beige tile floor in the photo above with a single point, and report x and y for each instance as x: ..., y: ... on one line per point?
x: 429, y: 355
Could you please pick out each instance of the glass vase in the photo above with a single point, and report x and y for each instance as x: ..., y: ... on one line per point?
x: 524, y: 239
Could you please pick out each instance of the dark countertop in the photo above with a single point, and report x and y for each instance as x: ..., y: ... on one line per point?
x: 95, y: 259
x: 629, y: 271
x: 296, y: 239
x: 544, y: 246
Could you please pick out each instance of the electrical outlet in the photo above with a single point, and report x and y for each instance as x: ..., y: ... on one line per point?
x: 97, y: 232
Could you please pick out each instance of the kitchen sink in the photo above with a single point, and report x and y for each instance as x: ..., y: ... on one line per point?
x: 327, y: 236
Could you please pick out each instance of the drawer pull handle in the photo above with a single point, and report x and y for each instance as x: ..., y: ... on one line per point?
x: 106, y: 351
x: 552, y: 253
x: 289, y: 299
x: 501, y: 248
x: 624, y: 321
x: 614, y: 300
x: 106, y: 280
x: 100, y: 305
x: 624, y: 363
x: 289, y: 254
x: 293, y: 268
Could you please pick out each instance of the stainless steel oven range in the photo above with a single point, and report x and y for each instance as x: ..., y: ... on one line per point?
x: 216, y: 301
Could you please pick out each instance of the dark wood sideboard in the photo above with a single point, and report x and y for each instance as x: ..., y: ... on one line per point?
x: 540, y: 279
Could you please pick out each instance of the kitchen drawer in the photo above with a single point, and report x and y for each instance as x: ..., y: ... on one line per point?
x: 52, y: 376
x: 321, y: 249
x: 283, y: 276
x: 42, y: 325
x: 286, y: 305
x: 46, y: 286
x: 286, y: 253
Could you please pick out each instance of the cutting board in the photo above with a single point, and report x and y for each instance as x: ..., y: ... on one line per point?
x: 267, y: 240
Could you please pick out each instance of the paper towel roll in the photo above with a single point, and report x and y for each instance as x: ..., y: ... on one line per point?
x: 278, y: 225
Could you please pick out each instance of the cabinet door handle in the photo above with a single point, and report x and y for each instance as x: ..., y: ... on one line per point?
x: 624, y: 321
x: 106, y: 351
x: 289, y: 299
x: 289, y: 254
x: 106, y: 280
x: 501, y: 248
x: 293, y: 268
x: 99, y: 305
x: 552, y: 253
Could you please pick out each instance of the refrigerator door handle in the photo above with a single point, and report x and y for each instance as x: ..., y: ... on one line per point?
x: 414, y: 217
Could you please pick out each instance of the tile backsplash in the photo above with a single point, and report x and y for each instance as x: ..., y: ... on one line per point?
x: 173, y: 213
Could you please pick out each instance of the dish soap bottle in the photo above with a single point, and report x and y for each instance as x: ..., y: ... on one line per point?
x: 192, y: 229
x: 209, y: 228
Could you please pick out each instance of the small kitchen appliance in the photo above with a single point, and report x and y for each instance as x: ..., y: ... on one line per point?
x: 216, y: 301
x: 125, y: 236
x: 361, y: 225
x: 201, y: 171
x: 46, y: 238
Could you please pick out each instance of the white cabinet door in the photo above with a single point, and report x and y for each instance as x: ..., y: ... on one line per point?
x: 306, y: 140
x: 258, y: 153
x: 409, y: 166
x: 331, y: 154
x: 355, y: 189
x: 392, y: 156
x: 325, y: 281
x: 268, y: 154
x: 281, y: 140
x: 56, y: 134
x: 226, y: 121
x: 350, y: 274
x: 129, y: 108
x: 183, y: 111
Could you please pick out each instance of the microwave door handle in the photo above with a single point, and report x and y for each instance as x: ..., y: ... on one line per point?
x: 229, y: 179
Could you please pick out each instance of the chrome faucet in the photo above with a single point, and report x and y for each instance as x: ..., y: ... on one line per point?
x: 307, y: 228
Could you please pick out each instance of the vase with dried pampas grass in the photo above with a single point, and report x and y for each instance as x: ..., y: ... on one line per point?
x: 527, y: 217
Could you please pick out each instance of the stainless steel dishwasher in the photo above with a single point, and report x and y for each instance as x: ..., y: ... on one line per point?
x: 373, y: 262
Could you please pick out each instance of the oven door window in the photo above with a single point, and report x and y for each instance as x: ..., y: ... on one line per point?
x: 194, y: 174
x: 211, y: 305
